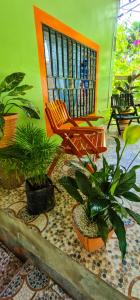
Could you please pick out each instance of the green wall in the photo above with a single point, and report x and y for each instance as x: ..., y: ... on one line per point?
x: 18, y: 47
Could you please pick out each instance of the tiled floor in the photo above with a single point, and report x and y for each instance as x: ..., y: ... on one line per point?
x: 56, y: 226
x: 31, y: 283
x: 9, y: 266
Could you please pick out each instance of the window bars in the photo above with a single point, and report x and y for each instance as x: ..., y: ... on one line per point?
x: 71, y: 72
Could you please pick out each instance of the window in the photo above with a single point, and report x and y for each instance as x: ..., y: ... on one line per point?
x: 71, y: 72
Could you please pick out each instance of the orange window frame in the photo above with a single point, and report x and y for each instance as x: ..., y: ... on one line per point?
x: 41, y: 18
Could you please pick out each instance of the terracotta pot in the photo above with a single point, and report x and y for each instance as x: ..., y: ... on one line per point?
x: 9, y: 129
x: 124, y: 122
x: 90, y: 244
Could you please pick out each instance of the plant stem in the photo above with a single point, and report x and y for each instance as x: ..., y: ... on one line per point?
x: 114, y: 181
x: 133, y: 160
x: 120, y: 158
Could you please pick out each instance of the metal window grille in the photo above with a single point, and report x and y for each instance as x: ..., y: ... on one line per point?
x: 71, y: 72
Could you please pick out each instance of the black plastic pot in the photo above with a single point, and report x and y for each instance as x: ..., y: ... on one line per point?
x: 40, y: 200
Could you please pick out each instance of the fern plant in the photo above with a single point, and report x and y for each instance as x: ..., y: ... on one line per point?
x: 29, y: 154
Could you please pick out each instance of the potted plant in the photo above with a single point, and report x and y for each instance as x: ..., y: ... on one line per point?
x: 11, y: 96
x: 29, y: 154
x: 126, y: 96
x: 103, y: 197
x: 128, y: 88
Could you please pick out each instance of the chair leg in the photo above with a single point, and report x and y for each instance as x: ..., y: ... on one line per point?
x: 54, y: 162
x: 88, y: 166
x: 109, y: 122
x: 118, y: 126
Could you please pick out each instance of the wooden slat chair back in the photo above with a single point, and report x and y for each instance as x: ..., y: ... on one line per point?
x: 77, y: 140
x: 57, y: 114
x: 126, y: 102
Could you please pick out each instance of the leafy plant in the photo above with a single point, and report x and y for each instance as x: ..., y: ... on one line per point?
x: 103, y: 193
x: 11, y: 93
x: 29, y: 154
x: 129, y: 88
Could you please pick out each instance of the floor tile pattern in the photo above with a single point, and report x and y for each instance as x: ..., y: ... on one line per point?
x: 9, y: 265
x: 31, y: 283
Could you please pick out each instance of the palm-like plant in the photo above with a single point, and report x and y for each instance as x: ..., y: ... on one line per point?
x: 11, y: 93
x: 103, y: 193
x: 29, y: 154
x: 129, y: 87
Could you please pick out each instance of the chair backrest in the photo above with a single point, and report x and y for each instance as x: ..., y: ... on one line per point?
x: 57, y: 113
x: 124, y: 101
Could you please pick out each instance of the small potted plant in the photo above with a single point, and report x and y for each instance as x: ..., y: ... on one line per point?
x: 129, y: 88
x: 103, y: 197
x: 29, y: 155
x: 127, y: 92
x: 12, y: 96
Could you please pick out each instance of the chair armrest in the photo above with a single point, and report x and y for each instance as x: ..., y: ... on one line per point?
x: 81, y: 130
x: 72, y: 121
x: 88, y: 118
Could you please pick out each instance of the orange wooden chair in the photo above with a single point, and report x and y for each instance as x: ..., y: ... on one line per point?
x: 76, y: 140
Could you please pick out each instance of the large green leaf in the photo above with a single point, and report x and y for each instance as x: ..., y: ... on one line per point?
x: 120, y: 209
x: 116, y: 179
x: 134, y: 87
x: 83, y: 183
x: 131, y: 196
x: 30, y: 111
x: 22, y: 100
x: 23, y: 87
x: 97, y: 177
x: 120, y: 89
x: 126, y: 182
x: 102, y: 228
x: 11, y: 81
x: 19, y: 90
x: 119, y: 229
x: 98, y: 205
x: 136, y: 188
x: 127, y: 86
x: 99, y: 191
x: 113, y: 188
x: 71, y: 187
x: 131, y: 134
x: 134, y: 215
